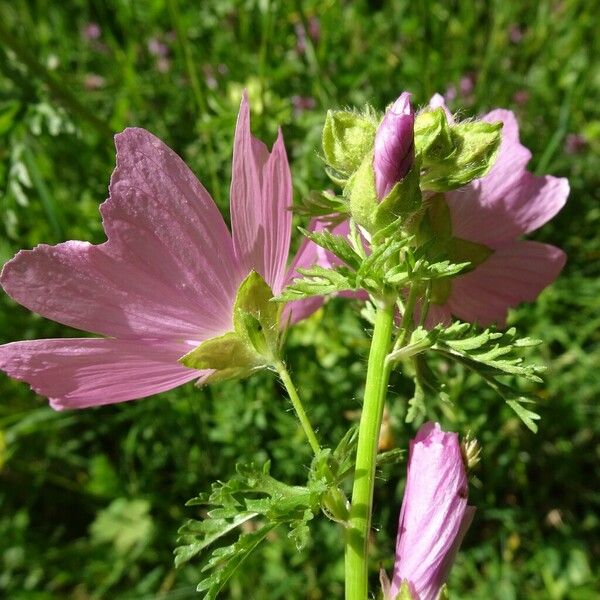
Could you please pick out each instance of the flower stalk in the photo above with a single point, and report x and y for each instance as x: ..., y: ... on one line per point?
x: 286, y: 379
x: 357, y: 533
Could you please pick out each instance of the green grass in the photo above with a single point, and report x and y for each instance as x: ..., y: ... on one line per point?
x: 91, y: 501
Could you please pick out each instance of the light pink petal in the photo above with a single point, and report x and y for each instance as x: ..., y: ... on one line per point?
x: 167, y: 269
x: 433, y: 512
x: 78, y: 373
x: 514, y: 273
x: 450, y: 557
x: 261, y: 201
x: 509, y: 201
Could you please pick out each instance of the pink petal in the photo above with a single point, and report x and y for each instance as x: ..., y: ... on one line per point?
x: 261, y: 199
x: 437, y: 314
x: 167, y: 269
x: 509, y: 201
x: 433, y: 512
x: 515, y: 273
x: 78, y: 373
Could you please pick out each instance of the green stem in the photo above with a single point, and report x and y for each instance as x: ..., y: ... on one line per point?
x: 298, y: 407
x: 366, y: 454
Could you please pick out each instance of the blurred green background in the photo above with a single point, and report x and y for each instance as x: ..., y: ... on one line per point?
x: 90, y: 501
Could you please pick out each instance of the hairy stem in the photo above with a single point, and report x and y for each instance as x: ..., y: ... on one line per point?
x: 298, y: 407
x: 366, y: 454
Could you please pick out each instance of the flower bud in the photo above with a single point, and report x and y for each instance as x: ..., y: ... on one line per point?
x: 394, y: 145
x: 434, y: 515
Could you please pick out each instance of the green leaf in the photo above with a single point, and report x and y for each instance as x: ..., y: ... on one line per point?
x: 336, y: 244
x: 493, y: 354
x: 326, y: 205
x: 126, y: 524
x: 252, y: 494
x: 527, y: 416
x: 226, y: 561
x: 384, y: 259
x: 210, y: 530
x: 318, y: 281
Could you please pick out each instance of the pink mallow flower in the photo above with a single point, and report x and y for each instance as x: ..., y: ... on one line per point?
x: 164, y: 281
x: 490, y: 215
x: 434, y: 516
x: 394, y: 145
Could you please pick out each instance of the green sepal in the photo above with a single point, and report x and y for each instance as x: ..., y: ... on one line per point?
x: 347, y: 137
x: 255, y: 317
x: 404, y: 198
x: 404, y: 592
x: 227, y: 351
x: 476, y: 147
x: 253, y: 343
x: 362, y: 194
x: 443, y: 593
x: 373, y: 214
x: 433, y: 138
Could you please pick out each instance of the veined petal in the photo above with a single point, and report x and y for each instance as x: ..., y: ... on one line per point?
x: 437, y: 314
x: 432, y: 517
x: 167, y: 269
x: 509, y: 201
x: 83, y: 372
x: 514, y: 273
x: 261, y: 199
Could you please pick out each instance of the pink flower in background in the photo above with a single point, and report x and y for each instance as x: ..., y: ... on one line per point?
x: 394, y: 145
x: 575, y: 143
x: 521, y: 97
x: 302, y: 103
x: 164, y: 281
x: 91, y: 31
x: 314, y: 28
x: 515, y: 34
x: 494, y: 212
x: 93, y: 81
x: 157, y: 48
x: 467, y: 84
x: 450, y: 94
x: 434, y: 516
